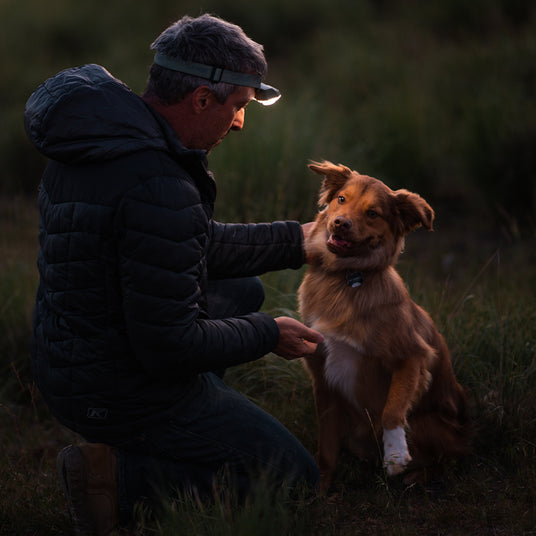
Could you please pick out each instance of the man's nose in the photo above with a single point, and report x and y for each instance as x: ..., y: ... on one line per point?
x: 239, y: 119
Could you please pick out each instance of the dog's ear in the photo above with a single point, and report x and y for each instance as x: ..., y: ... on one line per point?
x: 335, y: 177
x: 413, y: 211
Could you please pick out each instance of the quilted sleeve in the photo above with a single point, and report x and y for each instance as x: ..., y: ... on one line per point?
x: 252, y: 249
x: 163, y: 233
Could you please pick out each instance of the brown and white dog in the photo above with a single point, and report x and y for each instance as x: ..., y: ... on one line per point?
x: 383, y: 373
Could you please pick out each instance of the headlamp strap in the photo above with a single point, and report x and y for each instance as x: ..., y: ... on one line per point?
x: 208, y: 72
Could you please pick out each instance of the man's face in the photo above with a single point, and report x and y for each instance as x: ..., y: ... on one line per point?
x: 219, y: 119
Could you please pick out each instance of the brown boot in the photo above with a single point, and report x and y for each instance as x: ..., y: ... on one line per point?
x: 88, y: 475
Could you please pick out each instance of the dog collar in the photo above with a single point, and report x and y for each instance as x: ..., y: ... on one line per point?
x: 354, y: 279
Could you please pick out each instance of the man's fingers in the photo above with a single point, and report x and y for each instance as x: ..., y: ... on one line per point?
x: 315, y: 336
x: 296, y: 339
x: 310, y: 348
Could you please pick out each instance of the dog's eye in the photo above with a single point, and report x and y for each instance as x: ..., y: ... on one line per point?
x: 341, y: 199
x: 372, y: 214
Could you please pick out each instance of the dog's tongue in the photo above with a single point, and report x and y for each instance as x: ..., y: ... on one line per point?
x: 338, y: 242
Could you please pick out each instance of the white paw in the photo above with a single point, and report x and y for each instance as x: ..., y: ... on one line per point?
x: 396, y: 454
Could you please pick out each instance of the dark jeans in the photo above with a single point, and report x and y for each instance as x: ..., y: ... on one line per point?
x: 217, y: 432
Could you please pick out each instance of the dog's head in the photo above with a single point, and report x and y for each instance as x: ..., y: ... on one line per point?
x: 363, y: 221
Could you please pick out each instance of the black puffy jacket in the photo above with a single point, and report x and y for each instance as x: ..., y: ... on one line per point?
x: 127, y: 242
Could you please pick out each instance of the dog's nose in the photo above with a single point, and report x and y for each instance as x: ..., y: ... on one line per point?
x: 342, y: 223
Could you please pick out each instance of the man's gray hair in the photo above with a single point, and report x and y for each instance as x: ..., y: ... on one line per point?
x: 206, y: 39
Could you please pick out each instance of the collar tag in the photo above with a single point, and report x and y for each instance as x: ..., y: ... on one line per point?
x: 354, y: 279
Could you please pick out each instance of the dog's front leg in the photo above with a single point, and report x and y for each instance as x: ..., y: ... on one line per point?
x: 402, y: 393
x: 332, y: 426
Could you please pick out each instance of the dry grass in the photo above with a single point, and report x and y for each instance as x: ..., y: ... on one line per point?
x: 480, y: 294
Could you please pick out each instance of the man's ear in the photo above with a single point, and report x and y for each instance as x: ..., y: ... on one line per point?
x: 335, y: 177
x: 202, y: 97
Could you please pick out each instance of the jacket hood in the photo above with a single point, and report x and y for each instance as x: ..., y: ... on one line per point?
x: 85, y: 114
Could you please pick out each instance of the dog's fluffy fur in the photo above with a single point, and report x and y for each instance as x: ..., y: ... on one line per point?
x: 383, y: 374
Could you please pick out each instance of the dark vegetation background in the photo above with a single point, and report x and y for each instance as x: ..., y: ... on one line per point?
x: 438, y: 97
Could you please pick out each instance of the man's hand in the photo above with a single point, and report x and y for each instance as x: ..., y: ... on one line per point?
x: 307, y: 230
x: 296, y: 339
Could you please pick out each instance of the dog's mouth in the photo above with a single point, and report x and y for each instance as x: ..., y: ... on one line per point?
x: 339, y: 245
x: 344, y: 248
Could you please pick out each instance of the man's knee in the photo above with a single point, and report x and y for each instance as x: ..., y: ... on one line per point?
x: 254, y: 294
x: 234, y: 297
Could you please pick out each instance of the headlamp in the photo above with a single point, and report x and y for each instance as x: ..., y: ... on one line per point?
x: 264, y: 93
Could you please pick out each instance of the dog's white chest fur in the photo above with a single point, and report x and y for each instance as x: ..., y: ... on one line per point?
x: 342, y: 367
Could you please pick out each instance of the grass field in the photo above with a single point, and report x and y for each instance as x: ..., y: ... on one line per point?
x: 480, y: 291
x: 436, y: 97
